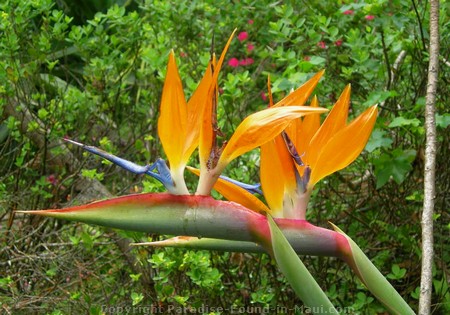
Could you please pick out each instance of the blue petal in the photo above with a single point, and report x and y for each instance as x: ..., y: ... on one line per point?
x: 163, y: 170
x: 253, y: 189
x: 163, y: 174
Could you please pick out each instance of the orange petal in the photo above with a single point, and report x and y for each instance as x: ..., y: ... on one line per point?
x: 310, y: 125
x: 300, y: 95
x: 260, y: 127
x: 301, y: 131
x: 173, y: 115
x: 345, y: 146
x: 235, y: 193
x: 336, y: 120
x: 206, y: 133
x: 195, y: 107
x: 277, y: 173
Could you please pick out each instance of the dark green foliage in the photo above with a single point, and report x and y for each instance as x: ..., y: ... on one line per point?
x: 94, y: 72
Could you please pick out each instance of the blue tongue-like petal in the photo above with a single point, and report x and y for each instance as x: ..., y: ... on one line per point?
x: 163, y: 174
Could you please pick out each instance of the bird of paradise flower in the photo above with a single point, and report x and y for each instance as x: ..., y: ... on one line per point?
x: 287, y: 179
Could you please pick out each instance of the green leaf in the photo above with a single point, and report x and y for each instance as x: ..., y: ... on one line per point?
x: 402, y: 121
x: 397, y: 272
x: 316, y: 60
x: 377, y: 140
x: 443, y: 121
x: 378, y: 97
x: 303, y: 283
x: 396, y: 164
x: 136, y: 297
x: 42, y: 113
x: 374, y: 280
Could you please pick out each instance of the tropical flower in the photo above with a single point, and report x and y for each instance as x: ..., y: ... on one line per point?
x: 196, y: 124
x: 293, y: 162
x: 370, y: 17
x: 308, y: 152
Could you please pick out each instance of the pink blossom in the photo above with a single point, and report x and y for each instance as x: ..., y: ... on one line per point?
x: 246, y: 61
x: 338, y: 43
x: 242, y: 36
x: 52, y: 179
x: 250, y: 47
x: 250, y: 21
x: 249, y: 61
x: 233, y: 62
x: 264, y: 96
x: 370, y: 17
x: 348, y: 12
x: 322, y: 44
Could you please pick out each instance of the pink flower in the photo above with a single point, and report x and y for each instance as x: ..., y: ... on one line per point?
x: 348, y: 12
x: 250, y: 47
x: 338, y: 43
x: 52, y: 179
x: 263, y: 96
x: 246, y: 61
x: 183, y: 54
x: 250, y: 21
x: 322, y: 44
x: 370, y: 17
x: 233, y: 62
x: 242, y: 36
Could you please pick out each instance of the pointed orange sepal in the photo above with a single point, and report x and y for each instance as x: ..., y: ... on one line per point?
x: 207, y: 134
x: 344, y: 147
x: 301, y: 94
x: 195, y: 108
x: 277, y: 174
x: 336, y: 120
x: 173, y: 114
x: 260, y: 127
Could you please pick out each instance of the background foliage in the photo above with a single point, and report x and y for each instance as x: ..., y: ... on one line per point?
x: 94, y: 72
